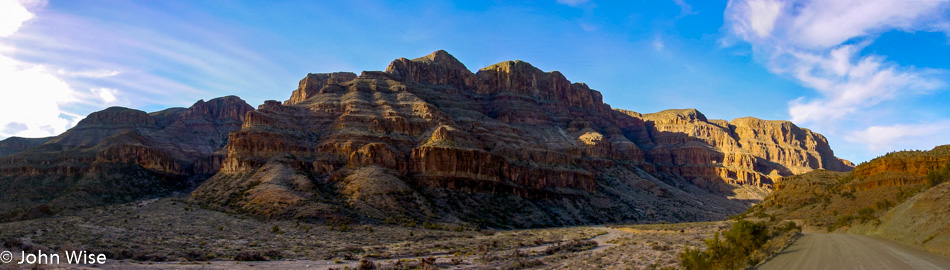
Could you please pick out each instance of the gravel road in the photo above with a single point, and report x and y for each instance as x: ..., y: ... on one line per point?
x: 850, y: 251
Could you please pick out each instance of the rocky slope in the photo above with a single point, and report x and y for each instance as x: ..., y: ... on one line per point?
x: 509, y: 145
x: 889, y: 196
x: 923, y: 220
x: 119, y: 154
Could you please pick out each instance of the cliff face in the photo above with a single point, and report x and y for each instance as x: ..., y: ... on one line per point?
x: 917, y: 163
x: 510, y: 145
x: 120, y: 154
x: 744, y: 151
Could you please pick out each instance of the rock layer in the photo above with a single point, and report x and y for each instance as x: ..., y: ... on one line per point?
x: 744, y: 151
x: 510, y: 145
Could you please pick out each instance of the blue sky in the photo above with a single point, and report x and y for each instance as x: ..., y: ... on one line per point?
x: 871, y: 75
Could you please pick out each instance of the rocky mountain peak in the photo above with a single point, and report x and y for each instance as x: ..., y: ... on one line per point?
x: 437, y: 68
x: 218, y: 109
x: 311, y: 84
x: 440, y: 57
x: 678, y: 115
x: 117, y: 117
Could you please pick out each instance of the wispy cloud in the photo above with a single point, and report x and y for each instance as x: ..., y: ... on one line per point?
x: 896, y: 136
x: 32, y: 97
x: 88, y: 73
x: 97, y: 62
x: 573, y: 3
x: 658, y: 44
x: 818, y: 43
x: 685, y: 8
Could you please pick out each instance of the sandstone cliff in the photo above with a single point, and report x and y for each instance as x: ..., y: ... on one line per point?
x: 120, y: 154
x: 510, y: 145
x: 745, y: 151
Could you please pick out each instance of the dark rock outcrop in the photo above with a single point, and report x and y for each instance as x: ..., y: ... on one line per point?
x: 120, y: 154
x: 15, y: 145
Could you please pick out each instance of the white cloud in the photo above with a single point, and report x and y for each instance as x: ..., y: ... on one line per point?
x: 573, y: 3
x: 823, y: 24
x: 33, y: 96
x: 88, y: 73
x: 31, y: 100
x: 847, y: 86
x: 12, y: 16
x: 818, y: 43
x: 895, y: 136
x: 107, y: 95
x: 762, y: 15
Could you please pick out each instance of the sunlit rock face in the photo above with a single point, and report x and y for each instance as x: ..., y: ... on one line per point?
x: 509, y: 145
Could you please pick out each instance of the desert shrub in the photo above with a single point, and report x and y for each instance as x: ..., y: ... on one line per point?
x: 849, y: 194
x: 938, y: 176
x: 733, y: 252
x: 427, y: 263
x: 905, y: 194
x: 694, y: 259
x: 884, y: 204
x: 249, y: 256
x: 142, y: 256
x: 431, y: 226
x: 570, y: 247
x: 195, y: 256
x: 12, y: 243
x: 866, y: 214
x: 366, y: 265
x: 842, y: 222
x: 485, y: 252
x: 274, y: 254
x: 791, y: 226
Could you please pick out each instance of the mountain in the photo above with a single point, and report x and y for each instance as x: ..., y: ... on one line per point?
x: 507, y: 146
x: 15, y: 145
x: 118, y: 155
x: 897, y: 196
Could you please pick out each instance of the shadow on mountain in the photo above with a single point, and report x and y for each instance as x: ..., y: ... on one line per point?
x: 425, y: 141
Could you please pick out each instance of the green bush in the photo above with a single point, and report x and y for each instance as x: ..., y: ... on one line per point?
x: 866, y: 214
x: 884, y: 204
x: 743, y: 239
x: 938, y: 176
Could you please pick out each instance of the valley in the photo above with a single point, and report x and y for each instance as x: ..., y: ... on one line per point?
x: 430, y: 165
x: 196, y: 238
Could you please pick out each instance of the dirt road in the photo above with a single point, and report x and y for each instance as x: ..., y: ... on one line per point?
x: 849, y: 251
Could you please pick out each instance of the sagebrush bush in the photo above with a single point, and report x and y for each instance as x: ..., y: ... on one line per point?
x: 249, y: 256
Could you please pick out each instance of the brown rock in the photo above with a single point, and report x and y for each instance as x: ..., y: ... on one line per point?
x: 511, y: 132
x: 313, y: 83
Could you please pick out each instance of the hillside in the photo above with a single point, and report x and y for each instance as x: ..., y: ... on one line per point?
x: 896, y: 196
